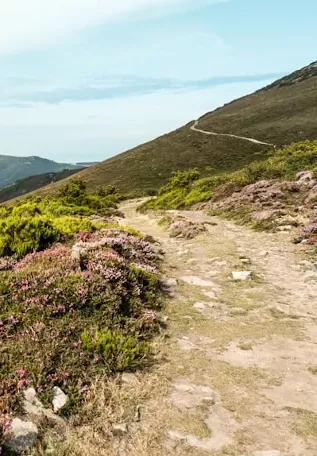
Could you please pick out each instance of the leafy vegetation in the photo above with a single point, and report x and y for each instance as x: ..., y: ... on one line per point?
x: 35, y: 224
x: 186, y: 188
x: 66, y: 321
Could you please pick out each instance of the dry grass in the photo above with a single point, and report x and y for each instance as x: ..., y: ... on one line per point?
x: 306, y: 422
x: 109, y: 403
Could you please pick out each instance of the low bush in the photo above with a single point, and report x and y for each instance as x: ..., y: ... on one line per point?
x: 64, y: 322
x: 36, y: 223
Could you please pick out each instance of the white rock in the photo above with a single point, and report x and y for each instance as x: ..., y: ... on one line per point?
x: 31, y: 404
x: 170, y: 282
x: 305, y: 176
x: 78, y: 252
x: 128, y: 377
x: 60, y: 399
x: 263, y: 253
x: 120, y: 429
x: 241, y: 275
x: 23, y: 436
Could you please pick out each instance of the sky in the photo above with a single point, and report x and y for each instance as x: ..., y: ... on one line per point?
x: 83, y: 80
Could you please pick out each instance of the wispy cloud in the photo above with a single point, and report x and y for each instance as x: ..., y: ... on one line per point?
x: 113, y: 87
x: 37, y: 23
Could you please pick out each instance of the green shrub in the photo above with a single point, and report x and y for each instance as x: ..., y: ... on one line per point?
x: 118, y: 351
x: 22, y: 235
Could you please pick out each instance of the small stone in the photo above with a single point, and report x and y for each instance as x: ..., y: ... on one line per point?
x: 263, y: 253
x: 24, y: 435
x: 128, y: 377
x: 245, y: 260
x: 78, y: 252
x: 305, y: 176
x: 170, y: 282
x: 60, y: 399
x: 31, y: 404
x: 120, y: 429
x: 241, y: 275
x: 285, y: 228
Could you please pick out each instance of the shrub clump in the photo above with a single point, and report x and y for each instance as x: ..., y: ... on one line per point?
x: 35, y: 224
x: 65, y: 322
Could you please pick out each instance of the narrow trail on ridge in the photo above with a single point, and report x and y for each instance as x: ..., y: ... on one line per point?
x: 212, y: 133
x: 238, y: 358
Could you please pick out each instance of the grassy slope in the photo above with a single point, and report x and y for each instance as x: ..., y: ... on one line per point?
x: 31, y: 183
x: 283, y: 113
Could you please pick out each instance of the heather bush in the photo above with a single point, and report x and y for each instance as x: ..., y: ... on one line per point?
x: 62, y: 323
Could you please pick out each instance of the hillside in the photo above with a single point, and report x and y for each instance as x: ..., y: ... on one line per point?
x: 29, y: 184
x: 281, y: 113
x: 13, y: 169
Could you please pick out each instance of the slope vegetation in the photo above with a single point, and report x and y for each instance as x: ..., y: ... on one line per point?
x: 279, y: 114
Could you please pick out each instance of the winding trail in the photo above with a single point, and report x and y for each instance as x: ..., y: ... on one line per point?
x: 212, y: 133
x: 238, y: 359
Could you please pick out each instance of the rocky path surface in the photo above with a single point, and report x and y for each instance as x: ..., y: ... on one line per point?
x: 238, y: 358
x: 194, y: 127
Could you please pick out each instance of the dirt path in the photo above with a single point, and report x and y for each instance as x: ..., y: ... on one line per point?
x: 212, y: 133
x: 238, y: 360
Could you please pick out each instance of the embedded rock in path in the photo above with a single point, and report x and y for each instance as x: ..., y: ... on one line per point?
x: 60, y: 399
x: 193, y: 280
x: 241, y: 275
x: 24, y: 435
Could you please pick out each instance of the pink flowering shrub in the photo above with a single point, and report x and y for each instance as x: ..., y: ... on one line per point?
x: 63, y: 322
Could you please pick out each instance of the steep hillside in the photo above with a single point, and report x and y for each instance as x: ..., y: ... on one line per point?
x: 284, y: 112
x: 13, y: 169
x: 29, y: 184
x: 281, y: 113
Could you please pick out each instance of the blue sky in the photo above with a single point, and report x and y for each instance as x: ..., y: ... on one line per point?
x: 86, y: 79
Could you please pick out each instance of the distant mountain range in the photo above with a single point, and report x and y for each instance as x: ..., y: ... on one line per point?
x: 13, y: 169
x: 31, y: 183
